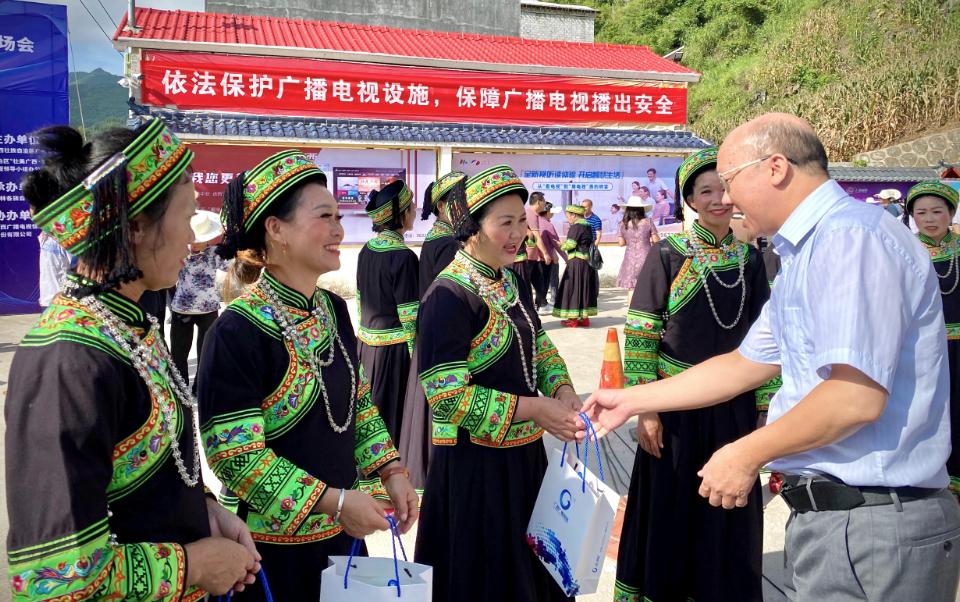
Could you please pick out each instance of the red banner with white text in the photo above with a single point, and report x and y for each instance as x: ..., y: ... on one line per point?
x: 320, y: 88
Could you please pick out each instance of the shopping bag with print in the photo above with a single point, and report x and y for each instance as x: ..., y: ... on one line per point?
x: 571, y: 524
x: 357, y: 578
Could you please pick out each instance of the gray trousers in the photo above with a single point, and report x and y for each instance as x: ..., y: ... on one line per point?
x: 898, y: 552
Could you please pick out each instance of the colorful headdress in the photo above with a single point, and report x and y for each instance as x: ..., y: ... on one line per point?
x: 933, y: 187
x: 135, y: 177
x: 450, y: 184
x: 273, y: 176
x: 391, y: 201
x: 687, y: 175
x: 575, y: 209
x: 491, y: 184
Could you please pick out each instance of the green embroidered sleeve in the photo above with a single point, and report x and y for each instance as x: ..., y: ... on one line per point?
x: 485, y: 413
x: 237, y: 453
x: 551, y: 369
x: 373, y: 445
x: 766, y: 391
x: 568, y: 245
x: 641, y: 347
x: 408, y: 319
x: 84, y: 566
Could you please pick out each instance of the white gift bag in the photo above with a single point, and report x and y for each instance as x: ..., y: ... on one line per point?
x: 358, y: 578
x: 571, y: 524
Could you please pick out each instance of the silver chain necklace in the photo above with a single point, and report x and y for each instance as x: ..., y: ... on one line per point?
x: 952, y: 268
x: 497, y: 299
x: 696, y: 250
x: 283, y: 319
x: 143, y: 360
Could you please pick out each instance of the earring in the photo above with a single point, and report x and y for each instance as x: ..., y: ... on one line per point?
x: 285, y: 245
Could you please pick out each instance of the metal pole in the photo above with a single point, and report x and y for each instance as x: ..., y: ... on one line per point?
x: 131, y: 14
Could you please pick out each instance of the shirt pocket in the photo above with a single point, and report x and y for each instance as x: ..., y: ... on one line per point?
x: 796, y: 346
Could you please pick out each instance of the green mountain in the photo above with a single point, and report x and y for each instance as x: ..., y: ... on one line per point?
x: 104, y: 102
x: 865, y: 73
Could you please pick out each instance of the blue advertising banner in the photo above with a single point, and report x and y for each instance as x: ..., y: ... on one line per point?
x: 33, y: 94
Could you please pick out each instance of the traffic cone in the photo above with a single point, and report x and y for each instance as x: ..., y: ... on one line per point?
x: 611, y: 374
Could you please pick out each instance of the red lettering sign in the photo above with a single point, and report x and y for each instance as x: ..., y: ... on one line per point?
x: 317, y: 88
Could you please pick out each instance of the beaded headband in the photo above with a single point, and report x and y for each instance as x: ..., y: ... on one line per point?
x: 442, y: 186
x: 153, y: 161
x: 492, y: 184
x: 575, y: 209
x: 693, y: 165
x: 935, y: 188
x: 273, y: 176
x: 383, y: 213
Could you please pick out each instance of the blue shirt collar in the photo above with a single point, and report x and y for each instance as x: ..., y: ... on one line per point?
x: 807, y: 215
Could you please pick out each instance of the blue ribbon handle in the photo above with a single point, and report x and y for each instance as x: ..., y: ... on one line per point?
x: 395, y: 537
x: 586, y: 452
x: 262, y: 577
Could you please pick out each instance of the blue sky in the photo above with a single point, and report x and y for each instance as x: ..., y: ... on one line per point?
x: 91, y: 49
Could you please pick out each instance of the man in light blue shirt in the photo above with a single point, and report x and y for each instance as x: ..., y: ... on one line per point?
x: 861, y: 426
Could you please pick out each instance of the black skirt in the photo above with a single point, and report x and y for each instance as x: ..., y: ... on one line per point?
x: 414, y: 444
x: 578, y: 292
x: 953, y: 462
x: 386, y: 368
x: 522, y: 270
x: 293, y: 571
x: 674, y: 544
x: 473, y: 523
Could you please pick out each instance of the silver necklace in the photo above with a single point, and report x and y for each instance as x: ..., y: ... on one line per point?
x: 696, y: 250
x: 283, y: 319
x: 142, y: 359
x: 950, y: 269
x: 496, y: 299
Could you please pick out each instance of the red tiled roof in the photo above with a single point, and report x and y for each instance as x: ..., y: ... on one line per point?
x: 186, y: 26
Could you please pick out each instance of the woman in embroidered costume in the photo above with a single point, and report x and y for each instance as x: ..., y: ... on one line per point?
x: 932, y: 206
x: 697, y: 295
x: 388, y: 296
x: 483, y: 356
x: 438, y: 250
x: 104, y: 493
x: 580, y: 286
x: 287, y: 419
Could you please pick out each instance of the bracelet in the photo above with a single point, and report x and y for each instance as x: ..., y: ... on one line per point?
x: 389, y: 471
x: 343, y: 492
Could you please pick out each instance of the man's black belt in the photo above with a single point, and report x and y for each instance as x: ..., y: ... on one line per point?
x: 817, y: 494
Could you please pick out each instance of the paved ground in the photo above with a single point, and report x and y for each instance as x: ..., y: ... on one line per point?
x: 583, y: 351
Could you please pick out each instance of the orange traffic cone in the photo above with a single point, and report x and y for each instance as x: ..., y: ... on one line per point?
x: 611, y: 374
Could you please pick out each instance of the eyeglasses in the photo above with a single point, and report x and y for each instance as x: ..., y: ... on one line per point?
x: 726, y: 178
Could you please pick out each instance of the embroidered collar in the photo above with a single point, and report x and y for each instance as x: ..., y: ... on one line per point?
x: 481, y: 267
x: 289, y: 296
x: 440, y: 229
x: 126, y: 309
x: 582, y: 222
x: 932, y: 243
x: 707, y: 236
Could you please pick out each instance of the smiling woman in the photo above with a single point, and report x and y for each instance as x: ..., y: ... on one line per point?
x: 95, y: 404
x: 280, y: 366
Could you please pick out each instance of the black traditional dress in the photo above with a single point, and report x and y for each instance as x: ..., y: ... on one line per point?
x: 674, y: 545
x: 580, y: 286
x: 946, y: 260
x: 438, y: 250
x: 388, y: 295
x: 97, y: 507
x: 256, y: 387
x: 521, y: 268
x: 486, y: 468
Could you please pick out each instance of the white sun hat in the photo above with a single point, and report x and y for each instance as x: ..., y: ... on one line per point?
x: 636, y: 202
x: 206, y: 226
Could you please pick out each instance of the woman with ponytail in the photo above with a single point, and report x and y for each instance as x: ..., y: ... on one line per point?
x: 287, y: 419
x: 388, y: 296
x: 104, y: 492
x: 438, y: 250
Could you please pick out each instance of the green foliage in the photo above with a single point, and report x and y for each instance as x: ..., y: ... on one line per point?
x: 104, y: 101
x: 866, y: 73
